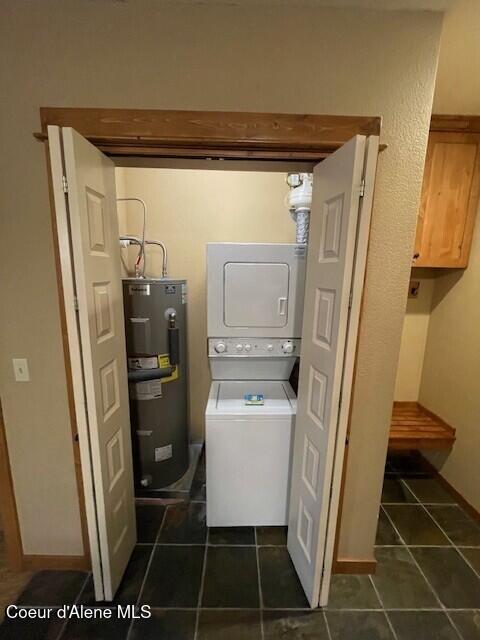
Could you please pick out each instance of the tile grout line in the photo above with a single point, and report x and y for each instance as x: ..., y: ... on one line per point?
x: 444, y: 609
x: 259, y: 580
x: 329, y: 634
x: 452, y: 543
x: 428, y: 582
x: 140, y: 593
x: 202, y: 585
x: 389, y: 622
x: 82, y: 589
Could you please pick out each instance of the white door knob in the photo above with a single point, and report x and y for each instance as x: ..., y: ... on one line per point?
x: 220, y: 347
x: 287, y: 347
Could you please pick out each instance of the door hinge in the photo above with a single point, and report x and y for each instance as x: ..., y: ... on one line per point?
x: 65, y: 184
x: 75, y: 303
x: 350, y: 299
x: 362, y: 188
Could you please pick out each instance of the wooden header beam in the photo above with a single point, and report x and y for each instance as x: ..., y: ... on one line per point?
x: 211, y: 133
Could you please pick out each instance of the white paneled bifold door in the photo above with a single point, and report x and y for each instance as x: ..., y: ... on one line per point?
x: 85, y: 201
x: 340, y: 219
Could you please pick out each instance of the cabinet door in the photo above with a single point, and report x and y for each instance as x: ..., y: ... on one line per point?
x: 451, y: 185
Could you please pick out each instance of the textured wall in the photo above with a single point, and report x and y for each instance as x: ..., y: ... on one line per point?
x: 145, y: 53
x: 451, y: 371
x: 457, y: 88
x: 414, y: 337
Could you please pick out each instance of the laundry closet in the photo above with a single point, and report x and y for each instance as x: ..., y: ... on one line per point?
x: 218, y: 306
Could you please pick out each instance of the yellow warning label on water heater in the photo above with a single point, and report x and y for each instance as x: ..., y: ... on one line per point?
x: 164, y: 361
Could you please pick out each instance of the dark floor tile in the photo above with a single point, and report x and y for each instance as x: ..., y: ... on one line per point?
x: 272, y: 535
x: 394, y: 490
x: 429, y: 491
x: 198, y: 490
x: 422, y: 625
x: 149, y: 520
x: 352, y: 592
x: 455, y: 583
x: 468, y: 623
x: 165, y: 625
x: 97, y: 629
x: 473, y: 556
x: 174, y: 577
x: 399, y: 582
x: 281, y: 587
x: 457, y: 525
x: 386, y: 534
x: 231, y: 535
x: 132, y: 580
x: 184, y: 523
x: 52, y: 588
x: 358, y: 625
x: 231, y: 578
x: 294, y: 625
x: 229, y: 625
x: 33, y: 629
x: 415, y: 525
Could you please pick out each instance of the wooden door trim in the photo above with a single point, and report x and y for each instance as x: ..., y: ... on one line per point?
x: 8, y: 507
x: 201, y: 134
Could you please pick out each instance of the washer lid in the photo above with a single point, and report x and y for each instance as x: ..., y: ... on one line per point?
x: 278, y: 397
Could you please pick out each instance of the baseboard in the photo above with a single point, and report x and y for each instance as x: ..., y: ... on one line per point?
x: 347, y: 565
x: 65, y: 563
x: 470, y: 509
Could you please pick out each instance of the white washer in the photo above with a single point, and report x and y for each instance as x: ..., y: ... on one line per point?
x: 248, y: 453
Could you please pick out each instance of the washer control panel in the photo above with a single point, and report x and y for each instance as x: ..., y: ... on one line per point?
x: 265, y: 347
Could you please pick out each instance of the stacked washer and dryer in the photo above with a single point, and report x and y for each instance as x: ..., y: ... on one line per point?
x: 254, y: 306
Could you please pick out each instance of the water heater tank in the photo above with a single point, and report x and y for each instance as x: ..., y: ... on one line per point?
x: 155, y: 327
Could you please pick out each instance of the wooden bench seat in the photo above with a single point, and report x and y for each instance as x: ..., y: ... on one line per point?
x: 414, y: 427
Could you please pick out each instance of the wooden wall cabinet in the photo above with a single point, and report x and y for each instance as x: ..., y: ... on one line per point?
x: 450, y: 199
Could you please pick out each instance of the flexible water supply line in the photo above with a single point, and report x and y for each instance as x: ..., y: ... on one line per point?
x: 141, y: 253
x: 164, y: 249
x: 135, y: 240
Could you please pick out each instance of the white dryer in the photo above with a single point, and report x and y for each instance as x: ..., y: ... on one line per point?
x: 255, y: 306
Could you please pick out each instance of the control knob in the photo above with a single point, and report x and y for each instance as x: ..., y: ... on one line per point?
x: 287, y: 347
x: 239, y: 347
x: 220, y: 347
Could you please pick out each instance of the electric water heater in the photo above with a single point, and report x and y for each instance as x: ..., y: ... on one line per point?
x: 155, y: 326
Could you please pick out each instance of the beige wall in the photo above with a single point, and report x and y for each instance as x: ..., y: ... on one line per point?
x: 451, y: 373
x: 146, y: 53
x: 457, y: 88
x: 414, y: 338
x: 187, y: 209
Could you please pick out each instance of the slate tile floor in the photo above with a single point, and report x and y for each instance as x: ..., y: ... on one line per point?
x: 239, y: 583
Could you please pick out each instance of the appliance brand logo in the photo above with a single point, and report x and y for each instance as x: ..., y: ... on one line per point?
x: 139, y: 289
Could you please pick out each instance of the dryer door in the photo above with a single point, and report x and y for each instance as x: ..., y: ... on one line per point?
x: 256, y: 294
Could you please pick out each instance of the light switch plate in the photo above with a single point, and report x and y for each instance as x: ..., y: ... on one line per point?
x: 20, y: 369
